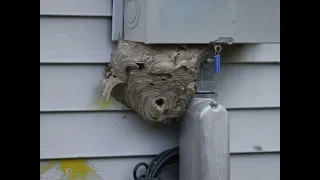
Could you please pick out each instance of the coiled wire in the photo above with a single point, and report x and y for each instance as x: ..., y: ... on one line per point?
x: 165, y: 160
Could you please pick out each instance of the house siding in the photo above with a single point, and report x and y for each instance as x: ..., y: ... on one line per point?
x: 75, y: 45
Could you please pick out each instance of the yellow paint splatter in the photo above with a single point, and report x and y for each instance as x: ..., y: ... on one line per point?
x: 46, y: 167
x: 103, y: 104
x: 72, y: 169
x: 75, y: 169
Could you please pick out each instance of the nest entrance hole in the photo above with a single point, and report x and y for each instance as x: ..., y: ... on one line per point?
x: 159, y: 102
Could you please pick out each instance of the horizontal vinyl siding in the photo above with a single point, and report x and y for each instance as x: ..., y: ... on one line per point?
x: 251, y: 53
x: 76, y: 7
x: 115, y: 134
x: 88, y: 40
x: 75, y: 39
x: 242, y: 167
x: 77, y: 87
x: 75, y: 45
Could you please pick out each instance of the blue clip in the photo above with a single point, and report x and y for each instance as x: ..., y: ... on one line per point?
x: 216, y: 62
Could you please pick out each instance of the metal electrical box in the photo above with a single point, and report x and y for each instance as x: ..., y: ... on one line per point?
x: 201, y: 21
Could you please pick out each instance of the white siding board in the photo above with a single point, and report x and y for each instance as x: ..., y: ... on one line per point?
x: 256, y: 130
x: 76, y: 7
x: 249, y: 85
x: 64, y: 135
x: 72, y: 88
x: 75, y: 39
x: 251, y: 53
x: 88, y: 40
x: 77, y: 87
x: 110, y: 134
x: 242, y: 167
x: 107, y: 168
x: 255, y: 167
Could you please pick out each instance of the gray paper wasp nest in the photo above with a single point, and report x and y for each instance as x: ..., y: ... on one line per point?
x: 157, y: 81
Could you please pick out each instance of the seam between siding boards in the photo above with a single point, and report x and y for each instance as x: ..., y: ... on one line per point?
x: 150, y: 155
x: 75, y: 15
x: 102, y: 110
x: 103, y: 63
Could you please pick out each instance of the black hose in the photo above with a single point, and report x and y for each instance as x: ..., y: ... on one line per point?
x: 165, y: 160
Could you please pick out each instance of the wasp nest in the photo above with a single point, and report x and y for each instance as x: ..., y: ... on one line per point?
x: 157, y: 81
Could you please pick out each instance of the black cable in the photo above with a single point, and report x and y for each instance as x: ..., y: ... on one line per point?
x: 165, y: 160
x: 166, y: 157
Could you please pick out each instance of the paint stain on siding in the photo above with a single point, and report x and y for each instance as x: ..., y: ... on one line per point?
x: 101, y: 104
x: 46, y: 167
x: 76, y: 169
x: 72, y: 169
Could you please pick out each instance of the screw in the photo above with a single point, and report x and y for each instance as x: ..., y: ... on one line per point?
x: 213, y: 103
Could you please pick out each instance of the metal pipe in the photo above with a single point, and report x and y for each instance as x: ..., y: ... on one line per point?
x: 204, y: 142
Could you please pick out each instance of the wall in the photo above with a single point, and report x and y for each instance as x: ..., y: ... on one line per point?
x: 106, y: 137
